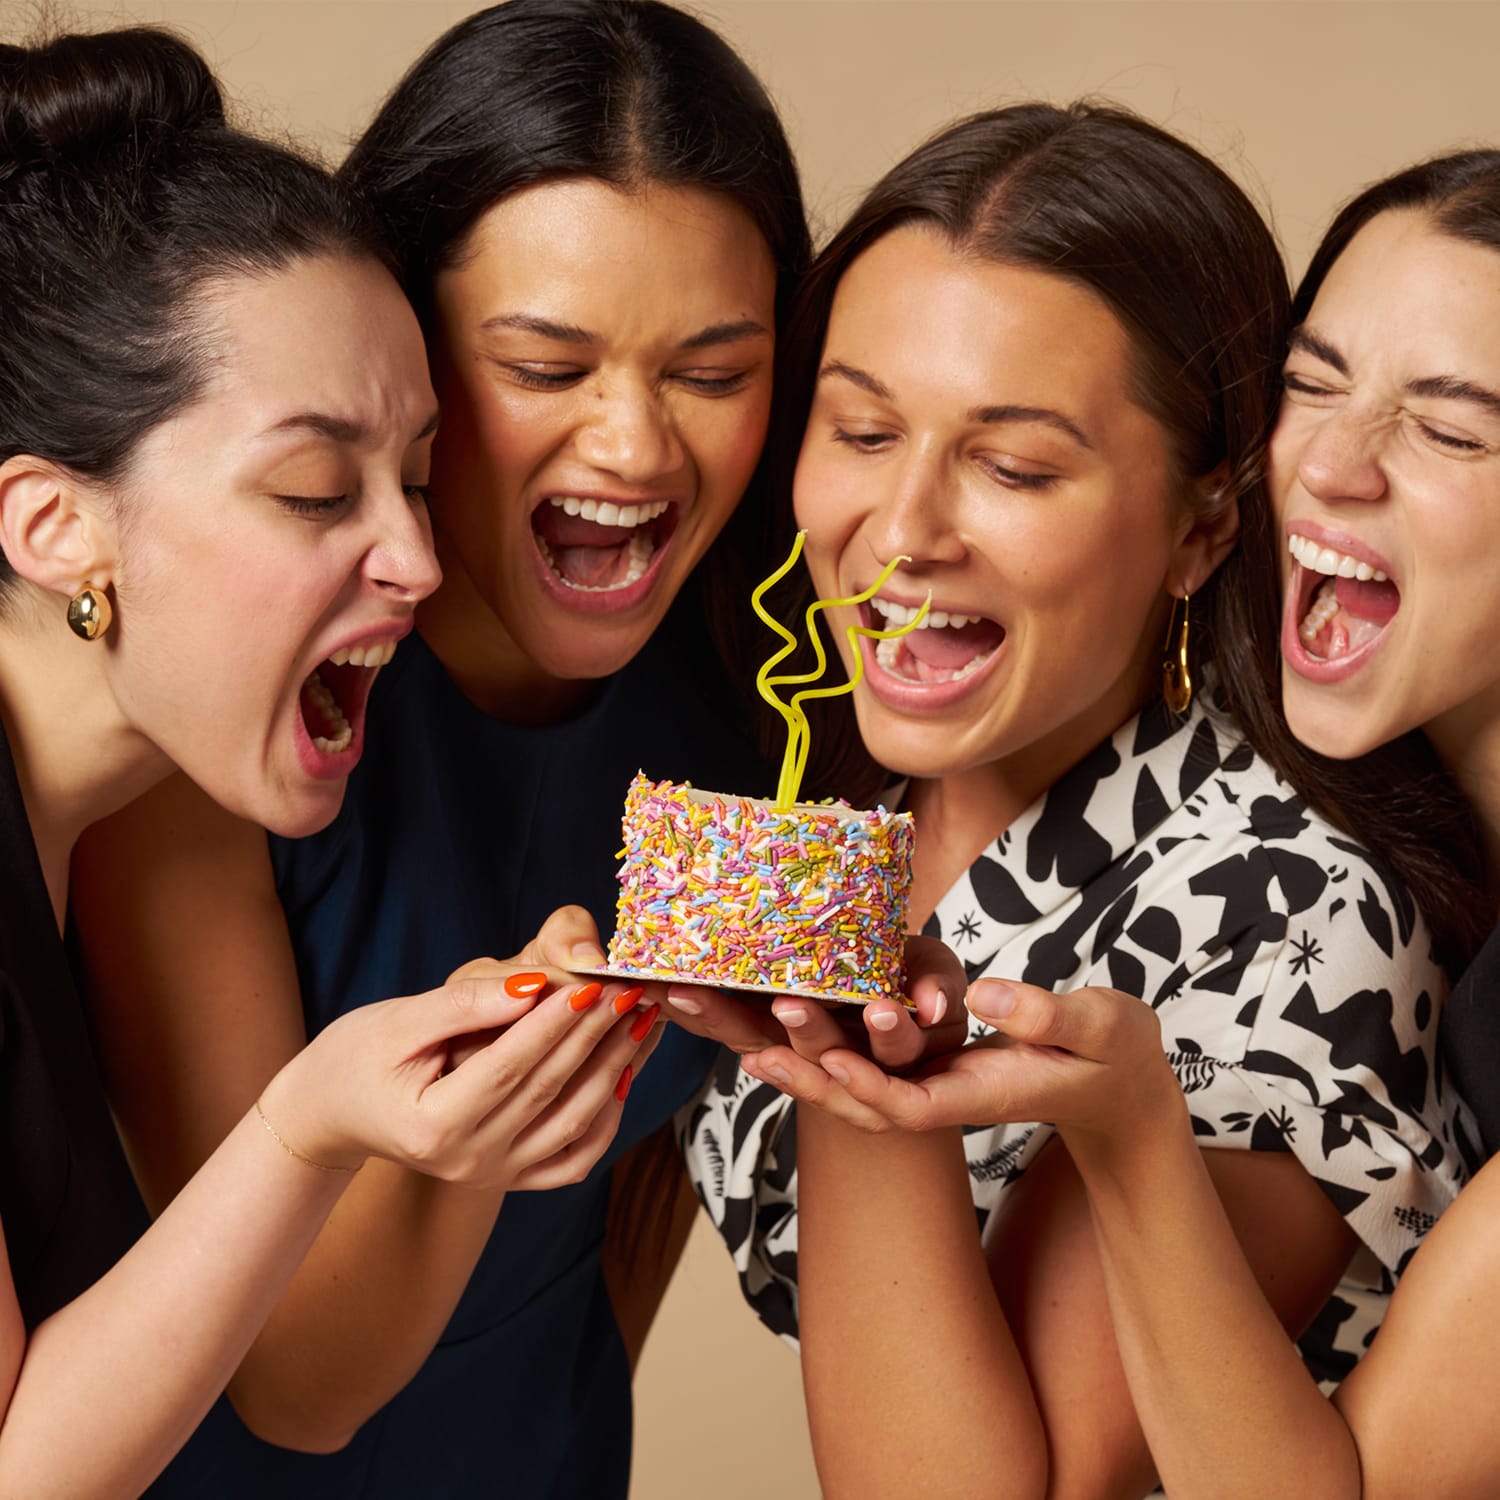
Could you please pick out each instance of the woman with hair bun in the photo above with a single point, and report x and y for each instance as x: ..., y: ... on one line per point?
x: 1040, y: 362
x: 598, y: 220
x: 215, y: 429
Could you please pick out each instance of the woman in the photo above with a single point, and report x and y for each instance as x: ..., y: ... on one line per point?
x: 598, y: 219
x: 167, y: 437
x: 1042, y: 357
x: 1384, y: 462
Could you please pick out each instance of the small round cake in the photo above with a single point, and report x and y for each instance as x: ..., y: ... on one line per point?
x: 729, y: 891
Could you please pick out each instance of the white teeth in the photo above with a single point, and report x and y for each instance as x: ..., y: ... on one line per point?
x: 356, y: 656
x: 897, y: 615
x: 1325, y: 607
x: 640, y: 550
x: 607, y: 513
x: 377, y: 655
x: 340, y: 656
x: 888, y: 654
x: 328, y: 705
x: 1317, y: 559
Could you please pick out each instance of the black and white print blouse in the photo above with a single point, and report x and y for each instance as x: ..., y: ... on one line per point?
x: 1294, y: 980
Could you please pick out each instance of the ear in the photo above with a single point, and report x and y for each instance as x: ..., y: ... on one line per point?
x: 1207, y: 535
x: 54, y: 527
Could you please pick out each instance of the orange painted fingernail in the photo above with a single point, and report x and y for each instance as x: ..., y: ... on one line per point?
x: 623, y: 1086
x: 644, y: 1022
x: 585, y: 995
x: 519, y: 986
x: 626, y: 999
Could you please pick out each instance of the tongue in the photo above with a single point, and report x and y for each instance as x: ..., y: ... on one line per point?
x: 1376, y: 602
x: 951, y: 648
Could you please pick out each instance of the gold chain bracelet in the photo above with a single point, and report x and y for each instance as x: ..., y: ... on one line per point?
x: 292, y: 1151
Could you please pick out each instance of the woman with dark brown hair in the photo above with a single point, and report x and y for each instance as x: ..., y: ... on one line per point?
x: 1385, y: 473
x: 1040, y: 363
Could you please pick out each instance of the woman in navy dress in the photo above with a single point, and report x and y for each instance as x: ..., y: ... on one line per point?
x: 171, y: 578
x: 598, y: 219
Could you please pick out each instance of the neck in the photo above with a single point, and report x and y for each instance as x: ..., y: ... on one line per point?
x: 478, y: 653
x: 1467, y: 740
x: 77, y: 758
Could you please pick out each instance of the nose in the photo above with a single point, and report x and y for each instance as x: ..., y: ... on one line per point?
x: 914, y: 515
x: 628, y: 431
x: 1341, y: 459
x: 402, y: 562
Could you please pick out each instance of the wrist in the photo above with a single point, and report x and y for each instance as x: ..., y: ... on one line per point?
x: 290, y: 1110
x: 1133, y: 1143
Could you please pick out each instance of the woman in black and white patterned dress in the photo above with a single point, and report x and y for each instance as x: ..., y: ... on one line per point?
x: 1042, y: 359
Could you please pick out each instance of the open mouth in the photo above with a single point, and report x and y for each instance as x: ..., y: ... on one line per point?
x: 333, y: 697
x: 945, y: 647
x: 597, y: 546
x: 1343, y: 604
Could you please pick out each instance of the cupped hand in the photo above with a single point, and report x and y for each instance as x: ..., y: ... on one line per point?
x: 1085, y: 1061
x: 535, y: 1105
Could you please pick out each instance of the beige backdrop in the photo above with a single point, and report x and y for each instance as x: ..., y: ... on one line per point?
x: 1303, y: 102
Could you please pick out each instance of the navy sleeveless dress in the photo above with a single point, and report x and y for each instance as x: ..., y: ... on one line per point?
x: 459, y: 835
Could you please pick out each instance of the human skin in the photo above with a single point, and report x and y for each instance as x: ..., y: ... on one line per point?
x: 1387, y: 451
x: 978, y: 418
x: 210, y: 521
x: 666, y: 400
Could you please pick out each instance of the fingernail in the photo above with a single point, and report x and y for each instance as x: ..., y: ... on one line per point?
x: 685, y: 1003
x: 992, y: 999
x: 520, y: 986
x: 775, y: 1074
x: 792, y: 1015
x: 834, y: 1071
x: 585, y: 995
x: 940, y: 1007
x: 884, y: 1020
x: 643, y: 1023
x: 626, y: 999
x: 623, y: 1086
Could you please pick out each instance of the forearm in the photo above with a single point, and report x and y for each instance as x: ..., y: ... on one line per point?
x: 112, y: 1384
x: 1226, y: 1404
x: 903, y: 1341
x: 365, y: 1308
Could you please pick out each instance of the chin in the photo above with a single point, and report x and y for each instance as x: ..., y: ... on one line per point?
x: 1332, y: 730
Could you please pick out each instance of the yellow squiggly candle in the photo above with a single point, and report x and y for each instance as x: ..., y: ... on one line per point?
x: 794, y: 762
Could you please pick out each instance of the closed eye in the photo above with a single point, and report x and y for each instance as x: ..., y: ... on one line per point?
x: 312, y: 505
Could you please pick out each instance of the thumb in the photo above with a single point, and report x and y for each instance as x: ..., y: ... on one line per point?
x: 568, y: 940
x: 1019, y: 1010
x: 475, y: 999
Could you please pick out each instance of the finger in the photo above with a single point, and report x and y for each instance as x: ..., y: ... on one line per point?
x: 810, y: 1029
x: 896, y: 1041
x: 569, y: 939
x: 1097, y: 1024
x: 931, y: 1101
x: 807, y: 1083
x: 604, y: 1078
x: 935, y: 979
x: 713, y: 1014
x: 572, y: 1162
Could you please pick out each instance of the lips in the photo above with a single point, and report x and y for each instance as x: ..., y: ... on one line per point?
x: 331, y: 704
x: 1341, y: 601
x: 936, y: 664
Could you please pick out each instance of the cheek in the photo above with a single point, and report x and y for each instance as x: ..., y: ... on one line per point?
x: 726, y: 445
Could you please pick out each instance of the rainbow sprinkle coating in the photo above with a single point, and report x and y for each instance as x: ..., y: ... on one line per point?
x: 729, y: 890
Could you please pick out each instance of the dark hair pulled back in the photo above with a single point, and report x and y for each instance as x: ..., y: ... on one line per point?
x: 123, y: 194
x: 631, y: 93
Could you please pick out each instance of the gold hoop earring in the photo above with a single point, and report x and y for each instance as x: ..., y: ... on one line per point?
x: 1176, y: 678
x: 89, y: 613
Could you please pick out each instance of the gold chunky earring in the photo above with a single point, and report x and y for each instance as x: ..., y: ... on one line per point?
x: 1176, y: 679
x: 89, y: 613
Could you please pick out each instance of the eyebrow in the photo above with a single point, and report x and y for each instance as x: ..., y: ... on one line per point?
x: 1450, y: 387
x: 1443, y: 387
x: 988, y: 415
x: 340, y: 429
x: 1302, y: 337
x: 984, y: 415
x: 571, y: 333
